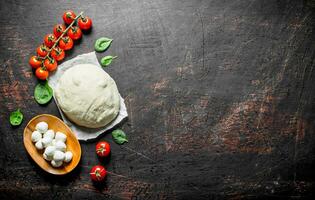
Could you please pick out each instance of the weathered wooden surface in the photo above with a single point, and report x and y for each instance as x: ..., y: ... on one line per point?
x: 221, y: 98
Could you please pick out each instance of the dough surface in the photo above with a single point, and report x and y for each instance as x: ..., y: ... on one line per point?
x: 88, y: 96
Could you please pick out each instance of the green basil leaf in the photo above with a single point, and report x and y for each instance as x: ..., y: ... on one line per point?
x: 119, y: 136
x: 102, y: 44
x: 107, y: 60
x: 43, y: 93
x: 16, y: 118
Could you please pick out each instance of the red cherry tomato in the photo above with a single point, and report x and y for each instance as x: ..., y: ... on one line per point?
x: 98, y: 173
x: 58, y: 54
x: 50, y: 64
x: 75, y: 33
x: 59, y: 29
x: 85, y: 23
x: 41, y: 73
x: 42, y: 50
x: 49, y: 40
x: 66, y: 43
x: 68, y: 16
x: 102, y: 149
x: 35, y: 62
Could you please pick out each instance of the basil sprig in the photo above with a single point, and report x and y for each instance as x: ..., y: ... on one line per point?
x: 43, y: 93
x: 119, y: 136
x: 102, y: 44
x: 107, y: 60
x: 16, y: 118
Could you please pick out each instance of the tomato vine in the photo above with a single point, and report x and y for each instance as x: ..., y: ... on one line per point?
x: 55, y: 44
x: 62, y: 34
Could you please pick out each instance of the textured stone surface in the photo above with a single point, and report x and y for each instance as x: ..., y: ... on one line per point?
x: 220, y: 96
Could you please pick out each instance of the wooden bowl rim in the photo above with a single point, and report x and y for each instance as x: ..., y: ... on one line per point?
x: 70, y: 131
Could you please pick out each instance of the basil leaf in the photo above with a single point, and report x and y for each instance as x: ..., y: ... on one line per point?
x: 43, y: 93
x: 107, y: 60
x: 16, y: 118
x: 102, y: 44
x: 119, y: 136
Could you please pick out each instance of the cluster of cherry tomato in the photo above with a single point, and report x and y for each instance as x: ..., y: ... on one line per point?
x: 98, y: 172
x: 50, y: 53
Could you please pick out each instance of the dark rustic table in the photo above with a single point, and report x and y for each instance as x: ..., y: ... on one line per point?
x: 220, y: 96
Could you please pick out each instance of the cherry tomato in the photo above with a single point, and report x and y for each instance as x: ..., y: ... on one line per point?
x: 66, y: 43
x: 85, y: 23
x: 49, y: 40
x: 98, y: 173
x: 41, y: 73
x: 75, y: 33
x: 68, y: 16
x: 50, y: 64
x: 35, y: 62
x: 42, y: 50
x: 58, y: 54
x: 102, y: 149
x: 58, y: 29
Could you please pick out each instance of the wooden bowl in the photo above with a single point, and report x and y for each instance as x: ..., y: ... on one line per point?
x: 72, y: 143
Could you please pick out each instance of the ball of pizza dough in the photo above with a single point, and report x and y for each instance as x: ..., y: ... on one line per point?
x: 88, y: 96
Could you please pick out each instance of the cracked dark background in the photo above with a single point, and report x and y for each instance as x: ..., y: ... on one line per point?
x: 220, y: 96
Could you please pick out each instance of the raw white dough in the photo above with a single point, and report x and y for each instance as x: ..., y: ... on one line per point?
x: 88, y: 96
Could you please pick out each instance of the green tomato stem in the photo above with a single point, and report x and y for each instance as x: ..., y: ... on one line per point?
x: 59, y: 38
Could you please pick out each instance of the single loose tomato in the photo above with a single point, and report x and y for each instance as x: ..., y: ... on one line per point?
x: 50, y: 64
x: 41, y: 73
x: 66, y: 43
x: 59, y: 29
x: 102, y: 149
x: 35, y: 62
x: 49, y: 40
x: 75, y: 33
x: 58, y: 54
x: 85, y: 23
x: 98, y: 173
x: 42, y: 50
x: 68, y: 16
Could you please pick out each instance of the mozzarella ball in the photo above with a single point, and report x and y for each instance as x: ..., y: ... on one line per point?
x: 53, y: 142
x: 61, y: 146
x: 36, y: 136
x: 68, y: 156
x: 48, y: 158
x: 56, y: 163
x: 50, y: 151
x: 60, y: 136
x: 41, y: 127
x: 59, y: 156
x: 46, y: 141
x: 39, y: 145
x: 50, y: 133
